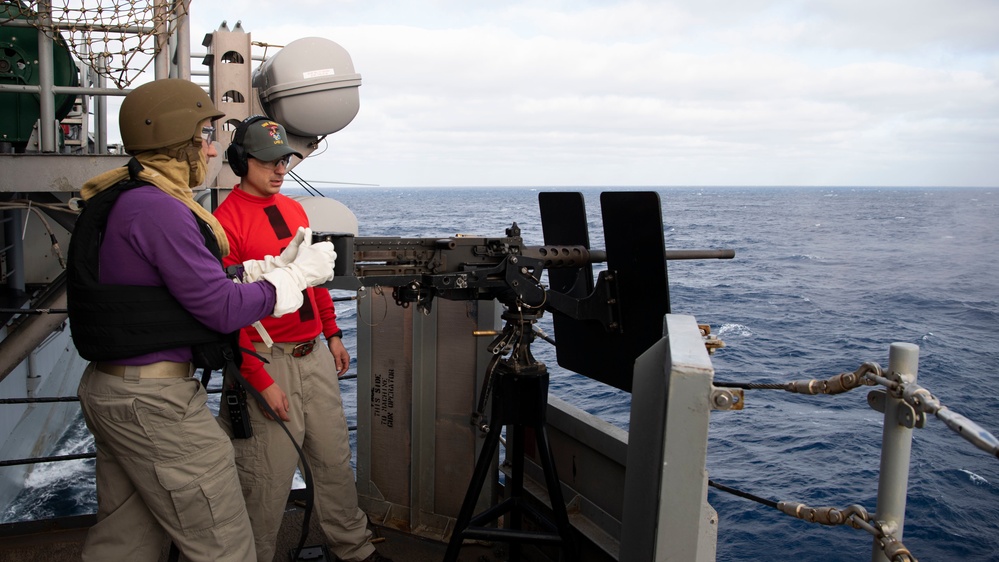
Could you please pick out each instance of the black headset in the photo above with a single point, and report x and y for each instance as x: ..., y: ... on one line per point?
x: 236, y: 154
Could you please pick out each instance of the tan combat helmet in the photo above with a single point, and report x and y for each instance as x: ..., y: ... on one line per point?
x: 163, y: 113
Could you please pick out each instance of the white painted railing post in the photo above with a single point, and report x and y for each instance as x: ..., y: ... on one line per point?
x: 896, y: 443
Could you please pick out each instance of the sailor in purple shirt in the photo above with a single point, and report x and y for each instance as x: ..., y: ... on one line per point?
x: 165, y: 469
x: 147, y: 224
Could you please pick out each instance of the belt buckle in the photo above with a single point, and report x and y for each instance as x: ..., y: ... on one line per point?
x: 303, y: 349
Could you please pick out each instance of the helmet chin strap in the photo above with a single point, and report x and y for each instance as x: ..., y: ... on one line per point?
x: 190, y: 153
x: 199, y: 166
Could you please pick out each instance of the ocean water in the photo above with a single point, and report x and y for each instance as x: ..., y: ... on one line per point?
x: 824, y: 280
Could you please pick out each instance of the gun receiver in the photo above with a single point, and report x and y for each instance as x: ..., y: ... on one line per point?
x: 458, y: 268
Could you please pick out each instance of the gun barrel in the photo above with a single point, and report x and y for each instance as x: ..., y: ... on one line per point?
x: 556, y: 256
x: 700, y: 254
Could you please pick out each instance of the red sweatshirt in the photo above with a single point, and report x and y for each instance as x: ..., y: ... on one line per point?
x: 258, y: 227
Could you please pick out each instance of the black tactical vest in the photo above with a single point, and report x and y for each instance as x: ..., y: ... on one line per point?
x: 110, y: 322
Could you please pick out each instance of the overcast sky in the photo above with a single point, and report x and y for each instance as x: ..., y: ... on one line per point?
x: 658, y: 93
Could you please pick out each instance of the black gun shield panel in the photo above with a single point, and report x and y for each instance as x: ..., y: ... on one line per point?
x: 633, y: 235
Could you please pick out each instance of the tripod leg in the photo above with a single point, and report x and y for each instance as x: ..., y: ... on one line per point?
x: 474, y: 489
x: 555, y: 495
x: 516, y: 452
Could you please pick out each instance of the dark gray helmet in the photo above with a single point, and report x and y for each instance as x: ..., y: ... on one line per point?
x: 163, y: 113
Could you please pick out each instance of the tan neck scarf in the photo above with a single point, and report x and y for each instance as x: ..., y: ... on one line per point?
x: 173, y: 172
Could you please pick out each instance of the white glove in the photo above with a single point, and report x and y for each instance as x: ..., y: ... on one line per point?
x: 314, y: 263
x: 288, y: 288
x: 312, y: 266
x: 253, y: 270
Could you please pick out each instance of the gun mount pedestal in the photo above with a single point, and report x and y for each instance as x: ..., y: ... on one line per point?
x: 520, y: 401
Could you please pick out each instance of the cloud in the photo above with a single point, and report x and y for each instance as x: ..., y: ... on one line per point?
x: 658, y: 93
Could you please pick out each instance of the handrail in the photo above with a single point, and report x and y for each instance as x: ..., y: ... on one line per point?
x: 79, y: 456
x: 904, y: 404
x: 917, y: 397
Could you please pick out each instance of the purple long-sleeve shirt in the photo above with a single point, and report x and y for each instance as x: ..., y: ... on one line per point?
x: 153, y: 239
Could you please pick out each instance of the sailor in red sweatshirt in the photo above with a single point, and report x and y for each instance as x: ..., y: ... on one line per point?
x: 300, y: 381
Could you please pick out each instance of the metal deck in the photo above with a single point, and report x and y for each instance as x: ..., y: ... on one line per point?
x: 60, y: 540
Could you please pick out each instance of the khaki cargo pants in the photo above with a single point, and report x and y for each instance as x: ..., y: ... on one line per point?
x: 164, y: 468
x: 267, y: 461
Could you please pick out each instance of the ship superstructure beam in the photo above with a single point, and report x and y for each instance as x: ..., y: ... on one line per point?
x: 46, y: 81
x: 17, y: 346
x: 34, y: 172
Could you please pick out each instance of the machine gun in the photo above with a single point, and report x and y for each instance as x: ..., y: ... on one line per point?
x: 600, y: 328
x: 476, y: 268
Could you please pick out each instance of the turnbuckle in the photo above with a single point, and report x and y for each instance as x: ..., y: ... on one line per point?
x: 838, y: 384
x: 824, y: 515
